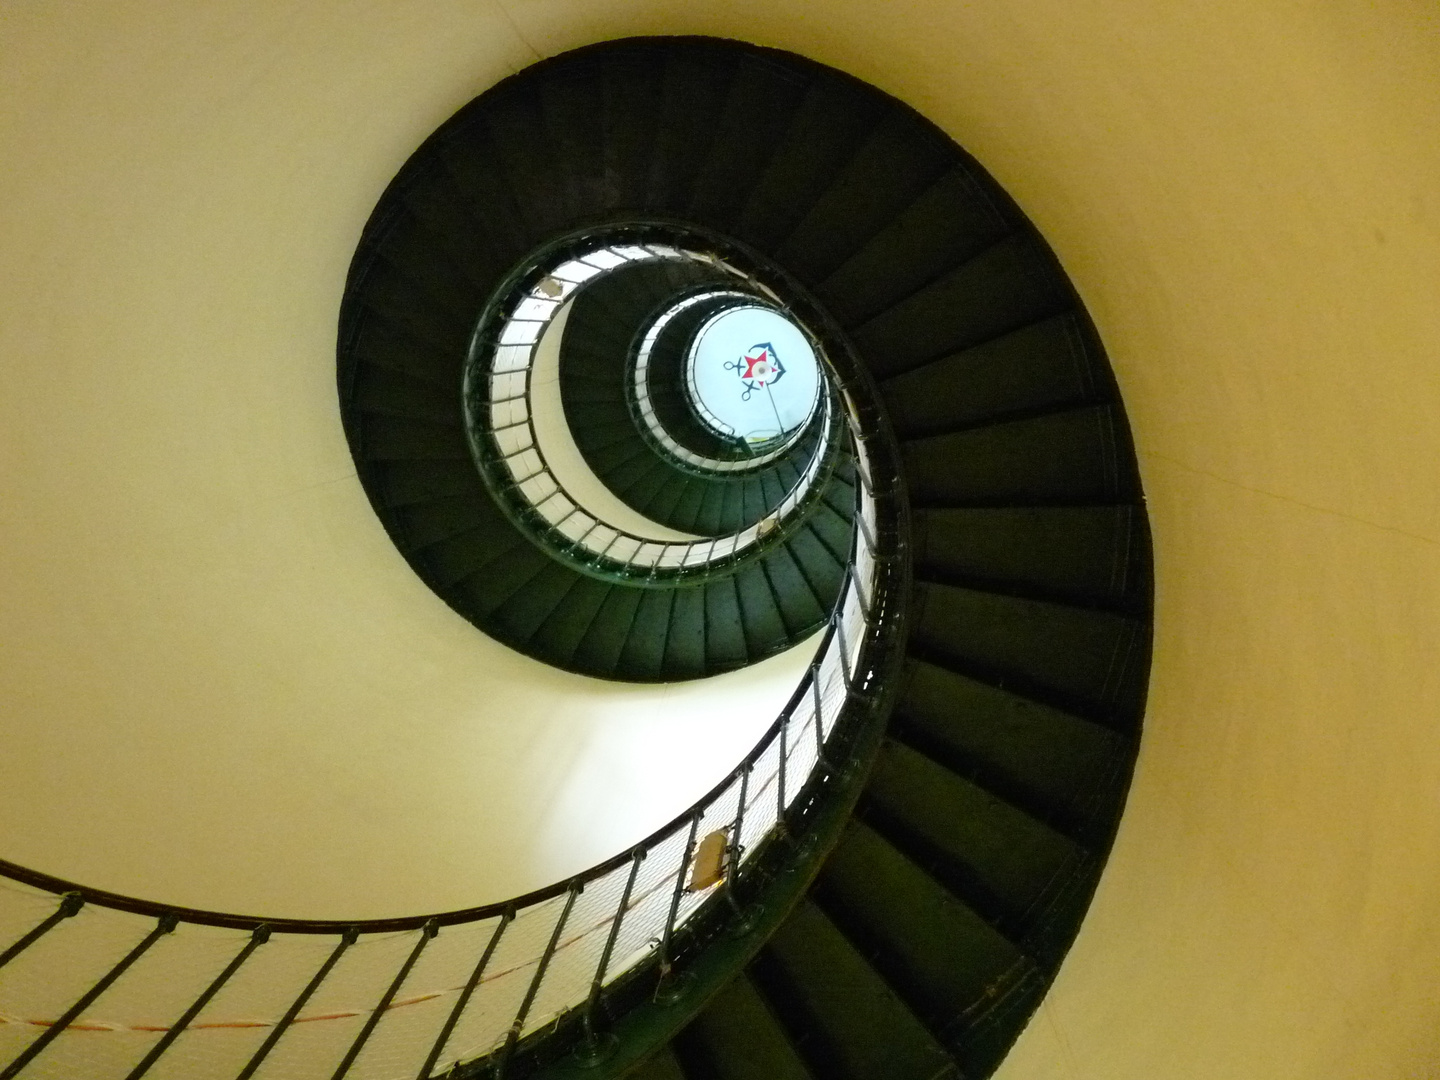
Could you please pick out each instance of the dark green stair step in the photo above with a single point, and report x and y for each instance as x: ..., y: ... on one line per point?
x: 474, y: 167
x: 421, y: 258
x: 381, y: 343
x: 949, y: 223
x: 799, y: 606
x: 1006, y: 287
x: 1042, y: 367
x: 567, y: 104
x: 563, y: 630
x: 900, y: 159
x: 403, y: 482
x: 833, y: 530
x: 603, y: 644
x: 664, y: 502
x: 844, y: 1020
x: 525, y: 610
x: 1095, y: 658
x: 516, y: 125
x: 382, y: 392
x: 833, y: 119
x: 423, y: 524
x: 1071, y: 457
x: 1002, y: 862
x: 763, y: 99
x: 685, y: 654
x: 738, y: 1038
x: 494, y: 584
x: 452, y: 224
x: 693, y: 91
x: 725, y: 644
x: 450, y: 561
x: 627, y: 113
x: 643, y: 656
x: 1056, y: 766
x: 686, y: 506
x: 1088, y: 554
x: 662, y: 1066
x: 761, y: 617
x: 396, y: 439
x: 396, y: 298
x: 823, y: 569
x: 948, y: 963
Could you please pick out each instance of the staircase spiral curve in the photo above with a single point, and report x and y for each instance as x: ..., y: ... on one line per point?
x: 921, y: 881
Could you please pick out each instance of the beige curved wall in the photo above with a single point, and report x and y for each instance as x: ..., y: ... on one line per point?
x: 1244, y: 193
x: 220, y: 685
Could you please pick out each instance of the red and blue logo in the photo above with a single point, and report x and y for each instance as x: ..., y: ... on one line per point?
x: 758, y: 368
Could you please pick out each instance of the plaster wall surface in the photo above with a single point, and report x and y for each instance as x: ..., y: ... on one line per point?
x: 220, y: 684
x: 1243, y: 192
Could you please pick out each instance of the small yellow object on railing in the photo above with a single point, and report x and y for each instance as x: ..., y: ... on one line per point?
x: 710, y: 863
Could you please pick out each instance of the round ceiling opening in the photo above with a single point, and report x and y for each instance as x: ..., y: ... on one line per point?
x: 752, y: 374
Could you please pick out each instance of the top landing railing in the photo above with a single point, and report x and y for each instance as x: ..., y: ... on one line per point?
x: 499, y: 401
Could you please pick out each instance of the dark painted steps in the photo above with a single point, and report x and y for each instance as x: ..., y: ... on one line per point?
x: 606, y: 321
x: 943, y: 914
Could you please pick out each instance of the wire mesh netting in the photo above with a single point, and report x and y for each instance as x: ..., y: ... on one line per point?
x: 298, y: 1003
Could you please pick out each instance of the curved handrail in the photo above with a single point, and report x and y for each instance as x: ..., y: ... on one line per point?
x: 478, y: 981
x: 576, y: 946
x: 501, y: 429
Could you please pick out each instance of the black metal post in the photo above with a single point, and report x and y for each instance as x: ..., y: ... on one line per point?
x: 844, y: 649
x: 669, y: 932
x: 347, y: 939
x: 258, y: 937
x: 518, y: 1024
x: 734, y: 854
x: 592, y: 1048
x: 780, y: 776
x: 428, y: 931
x: 464, y: 999
x: 165, y: 925
x: 70, y: 904
x: 819, y: 714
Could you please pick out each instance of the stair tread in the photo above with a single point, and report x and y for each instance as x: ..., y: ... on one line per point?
x: 738, y: 1038
x: 843, y: 1018
x: 1000, y: 860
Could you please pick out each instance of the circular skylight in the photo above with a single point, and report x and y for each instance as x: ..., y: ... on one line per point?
x: 752, y: 374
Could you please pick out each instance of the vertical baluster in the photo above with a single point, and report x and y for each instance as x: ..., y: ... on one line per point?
x: 819, y: 714
x: 165, y: 925
x: 734, y: 854
x: 428, y: 931
x: 663, y: 990
x: 464, y: 999
x: 518, y: 1024
x: 592, y: 1048
x: 348, y: 938
x: 844, y: 650
x: 259, y: 936
x: 70, y: 904
x: 780, y: 776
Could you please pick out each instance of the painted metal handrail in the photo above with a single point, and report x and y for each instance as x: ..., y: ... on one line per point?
x: 506, y: 447
x: 557, y: 948
x: 157, y: 989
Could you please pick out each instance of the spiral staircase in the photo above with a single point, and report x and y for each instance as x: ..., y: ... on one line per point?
x: 959, y: 525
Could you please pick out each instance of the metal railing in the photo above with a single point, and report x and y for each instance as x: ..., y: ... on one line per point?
x: 99, y: 985
x: 507, y: 449
x: 96, y: 985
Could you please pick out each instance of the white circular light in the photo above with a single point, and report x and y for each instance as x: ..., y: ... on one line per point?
x: 752, y: 374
